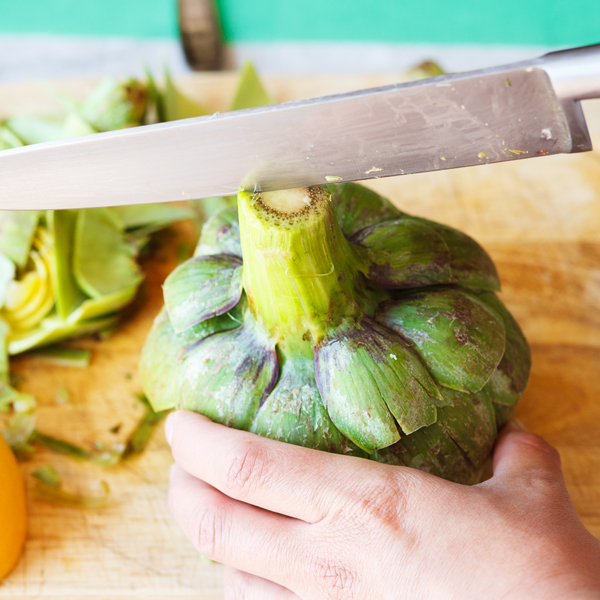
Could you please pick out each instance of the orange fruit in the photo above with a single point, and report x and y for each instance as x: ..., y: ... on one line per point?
x: 13, y: 510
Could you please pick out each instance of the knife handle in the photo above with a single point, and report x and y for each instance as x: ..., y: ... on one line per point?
x: 574, y: 73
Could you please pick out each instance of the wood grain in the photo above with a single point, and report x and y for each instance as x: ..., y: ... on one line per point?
x: 540, y: 221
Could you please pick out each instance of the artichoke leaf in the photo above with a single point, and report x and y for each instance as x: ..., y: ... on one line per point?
x: 17, y: 228
x: 220, y: 234
x: 503, y: 414
x: 177, y: 105
x: 104, y: 305
x: 202, y: 287
x: 8, y: 139
x: 458, y: 337
x: 250, y: 91
x: 53, y: 329
x: 509, y: 380
x: 160, y: 361
x: 164, y: 351
x: 358, y: 207
x: 206, y: 207
x: 228, y: 375
x: 156, y: 100
x: 155, y: 216
x: 294, y: 412
x: 74, y: 126
x: 7, y: 274
x: 103, y: 263
x: 115, y: 105
x: 61, y: 224
x: 431, y: 450
x: 470, y: 421
x: 34, y: 130
x: 228, y: 320
x: 366, y: 374
x: 471, y: 265
x: 405, y: 254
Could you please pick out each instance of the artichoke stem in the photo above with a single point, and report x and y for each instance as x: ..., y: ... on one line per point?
x: 299, y: 270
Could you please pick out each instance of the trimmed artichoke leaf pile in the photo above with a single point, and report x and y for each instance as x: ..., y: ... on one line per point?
x: 64, y: 274
x: 328, y: 318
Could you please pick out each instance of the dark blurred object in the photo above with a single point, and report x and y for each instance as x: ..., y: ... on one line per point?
x: 201, y: 34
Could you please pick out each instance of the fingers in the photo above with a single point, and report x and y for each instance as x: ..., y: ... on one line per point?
x: 520, y: 453
x: 243, y: 586
x: 235, y: 533
x: 279, y: 477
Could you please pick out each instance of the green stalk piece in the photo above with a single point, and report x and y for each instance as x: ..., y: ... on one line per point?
x: 50, y: 490
x: 359, y: 330
x: 64, y: 356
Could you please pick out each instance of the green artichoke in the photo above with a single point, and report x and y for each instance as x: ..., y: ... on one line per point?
x: 373, y: 333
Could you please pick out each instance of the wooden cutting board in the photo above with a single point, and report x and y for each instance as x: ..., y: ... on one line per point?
x: 540, y: 221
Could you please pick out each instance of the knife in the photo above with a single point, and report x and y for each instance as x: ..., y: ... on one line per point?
x: 522, y: 110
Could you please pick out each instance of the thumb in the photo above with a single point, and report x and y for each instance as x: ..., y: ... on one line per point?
x: 519, y: 453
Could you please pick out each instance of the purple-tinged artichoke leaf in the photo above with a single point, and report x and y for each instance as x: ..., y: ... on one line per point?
x: 460, y: 339
x: 294, y: 412
x: 358, y: 207
x: 201, y: 288
x: 220, y: 234
x: 405, y: 254
x: 470, y: 422
x: 229, y: 320
x: 471, y: 265
x: 431, y: 450
x: 164, y: 352
x: 366, y: 374
x: 509, y: 380
x: 228, y: 375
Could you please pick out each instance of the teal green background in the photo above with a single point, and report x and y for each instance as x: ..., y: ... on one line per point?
x: 520, y: 22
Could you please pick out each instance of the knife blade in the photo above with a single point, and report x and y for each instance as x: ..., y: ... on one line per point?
x: 505, y: 113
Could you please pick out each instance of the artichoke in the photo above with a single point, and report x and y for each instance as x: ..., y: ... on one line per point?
x: 374, y: 333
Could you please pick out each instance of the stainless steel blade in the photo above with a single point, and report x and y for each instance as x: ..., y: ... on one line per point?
x: 482, y: 117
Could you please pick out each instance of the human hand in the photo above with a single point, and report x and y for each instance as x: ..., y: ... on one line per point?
x: 299, y: 523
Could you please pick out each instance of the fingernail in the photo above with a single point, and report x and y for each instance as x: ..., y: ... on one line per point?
x: 169, y: 428
x: 516, y: 426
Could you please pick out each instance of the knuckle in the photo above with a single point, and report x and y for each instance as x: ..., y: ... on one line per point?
x: 247, y: 468
x: 384, y: 499
x: 207, y: 525
x: 537, y: 443
x: 335, y: 579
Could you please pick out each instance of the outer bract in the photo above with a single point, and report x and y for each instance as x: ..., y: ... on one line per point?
x: 372, y: 333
